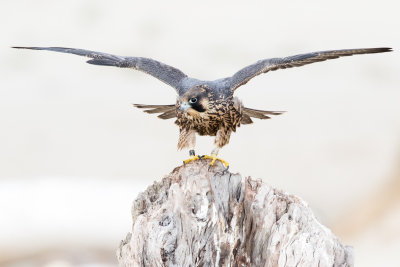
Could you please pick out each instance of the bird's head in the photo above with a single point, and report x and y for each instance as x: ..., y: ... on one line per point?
x: 195, y: 100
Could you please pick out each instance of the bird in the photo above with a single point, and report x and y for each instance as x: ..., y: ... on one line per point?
x: 207, y: 107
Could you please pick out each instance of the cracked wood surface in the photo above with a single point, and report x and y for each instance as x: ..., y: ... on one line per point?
x: 197, y: 216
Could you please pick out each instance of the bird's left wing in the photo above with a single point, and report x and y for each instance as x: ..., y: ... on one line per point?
x: 244, y: 75
x: 161, y: 71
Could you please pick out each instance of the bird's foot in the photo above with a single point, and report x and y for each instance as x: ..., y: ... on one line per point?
x: 191, y: 158
x: 214, y: 158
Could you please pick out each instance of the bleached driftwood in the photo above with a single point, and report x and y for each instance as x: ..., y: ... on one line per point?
x: 201, y: 217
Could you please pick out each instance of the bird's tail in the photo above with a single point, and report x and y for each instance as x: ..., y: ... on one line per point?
x: 167, y: 111
x: 249, y: 113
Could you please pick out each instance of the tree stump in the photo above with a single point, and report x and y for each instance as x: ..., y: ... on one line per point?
x: 201, y: 216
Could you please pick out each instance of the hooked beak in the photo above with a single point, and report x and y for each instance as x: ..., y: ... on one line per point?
x: 185, y: 106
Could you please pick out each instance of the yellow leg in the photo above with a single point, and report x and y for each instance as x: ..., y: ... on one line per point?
x: 192, y: 157
x: 213, y: 158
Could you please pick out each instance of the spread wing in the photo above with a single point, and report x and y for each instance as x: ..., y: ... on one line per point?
x: 167, y: 111
x: 161, y: 71
x: 244, y: 75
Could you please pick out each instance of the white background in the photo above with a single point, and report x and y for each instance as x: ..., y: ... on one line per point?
x: 74, y: 152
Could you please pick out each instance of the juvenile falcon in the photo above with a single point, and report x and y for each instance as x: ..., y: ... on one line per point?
x: 207, y: 107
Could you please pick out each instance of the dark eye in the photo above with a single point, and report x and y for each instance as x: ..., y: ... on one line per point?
x: 192, y: 100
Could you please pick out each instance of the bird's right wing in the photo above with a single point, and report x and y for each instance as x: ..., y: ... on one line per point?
x: 167, y: 74
x: 167, y: 111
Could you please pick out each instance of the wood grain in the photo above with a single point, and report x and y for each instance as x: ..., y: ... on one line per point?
x: 197, y: 216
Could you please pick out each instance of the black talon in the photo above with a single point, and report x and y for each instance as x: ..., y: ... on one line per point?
x: 201, y: 157
x: 192, y: 153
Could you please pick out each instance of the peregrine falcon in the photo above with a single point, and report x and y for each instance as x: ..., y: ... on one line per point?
x: 207, y: 107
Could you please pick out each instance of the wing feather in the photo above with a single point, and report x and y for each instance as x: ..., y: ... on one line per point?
x: 167, y: 111
x: 260, y: 114
x: 244, y: 75
x: 167, y: 74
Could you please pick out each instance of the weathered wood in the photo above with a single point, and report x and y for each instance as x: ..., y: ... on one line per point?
x: 198, y: 216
